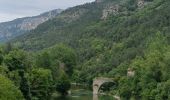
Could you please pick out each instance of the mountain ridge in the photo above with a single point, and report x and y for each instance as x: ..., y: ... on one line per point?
x: 87, y: 14
x: 19, y: 26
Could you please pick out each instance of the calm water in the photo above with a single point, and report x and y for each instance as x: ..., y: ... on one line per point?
x: 84, y: 95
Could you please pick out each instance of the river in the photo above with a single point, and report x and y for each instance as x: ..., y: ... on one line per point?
x: 83, y: 94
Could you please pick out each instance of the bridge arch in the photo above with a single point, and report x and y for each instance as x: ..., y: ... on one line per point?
x: 99, y: 81
x: 106, y: 86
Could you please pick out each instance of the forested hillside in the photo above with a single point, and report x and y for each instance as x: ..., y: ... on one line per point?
x: 107, y: 39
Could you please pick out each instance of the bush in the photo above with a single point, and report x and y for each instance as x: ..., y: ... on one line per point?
x: 8, y: 91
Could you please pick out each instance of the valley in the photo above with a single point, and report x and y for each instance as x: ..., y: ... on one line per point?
x: 118, y: 49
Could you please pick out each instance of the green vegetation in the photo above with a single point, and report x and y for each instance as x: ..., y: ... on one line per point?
x: 8, y: 91
x: 34, y: 76
x: 41, y: 83
x: 63, y: 84
x: 78, y: 45
x: 151, y: 73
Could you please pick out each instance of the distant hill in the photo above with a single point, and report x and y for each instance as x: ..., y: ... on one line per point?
x: 19, y: 26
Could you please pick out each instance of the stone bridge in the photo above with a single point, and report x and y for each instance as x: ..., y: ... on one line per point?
x: 98, y: 82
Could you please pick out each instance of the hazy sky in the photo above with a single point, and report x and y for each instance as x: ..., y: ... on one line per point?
x: 11, y: 9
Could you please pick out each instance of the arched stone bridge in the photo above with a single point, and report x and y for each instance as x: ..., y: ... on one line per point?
x: 98, y: 82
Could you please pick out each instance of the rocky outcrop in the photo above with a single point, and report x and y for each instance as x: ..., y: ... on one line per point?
x: 68, y: 17
x: 110, y: 10
x: 130, y: 72
x: 140, y: 3
x: 21, y: 25
x: 98, y: 1
x: 143, y: 3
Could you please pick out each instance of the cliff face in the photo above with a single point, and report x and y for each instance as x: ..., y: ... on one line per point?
x: 141, y: 3
x: 19, y: 26
x: 110, y: 10
x: 115, y: 7
x: 98, y: 1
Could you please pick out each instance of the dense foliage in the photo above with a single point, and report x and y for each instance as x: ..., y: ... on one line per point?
x: 134, y: 37
x: 34, y: 77
x: 63, y: 84
x: 8, y: 91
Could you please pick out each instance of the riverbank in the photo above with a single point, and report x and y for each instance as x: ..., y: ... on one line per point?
x: 82, y: 94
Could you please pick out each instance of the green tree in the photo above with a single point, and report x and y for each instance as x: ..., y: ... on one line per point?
x: 3, y: 70
x: 1, y: 57
x: 41, y: 83
x: 24, y: 86
x: 65, y: 56
x: 8, y: 47
x: 8, y: 91
x: 17, y: 60
x: 43, y: 60
x: 63, y: 84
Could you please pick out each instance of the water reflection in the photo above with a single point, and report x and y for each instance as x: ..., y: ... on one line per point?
x: 83, y: 95
x: 95, y: 97
x: 87, y: 97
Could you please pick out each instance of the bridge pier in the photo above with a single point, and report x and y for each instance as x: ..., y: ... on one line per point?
x: 95, y: 89
x: 95, y: 97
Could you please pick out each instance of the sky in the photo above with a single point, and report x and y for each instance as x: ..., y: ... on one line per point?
x: 12, y: 9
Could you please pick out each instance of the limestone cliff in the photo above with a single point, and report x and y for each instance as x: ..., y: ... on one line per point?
x: 110, y: 10
x: 98, y: 1
x: 21, y: 25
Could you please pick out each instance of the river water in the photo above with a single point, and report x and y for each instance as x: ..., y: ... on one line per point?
x: 83, y: 94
